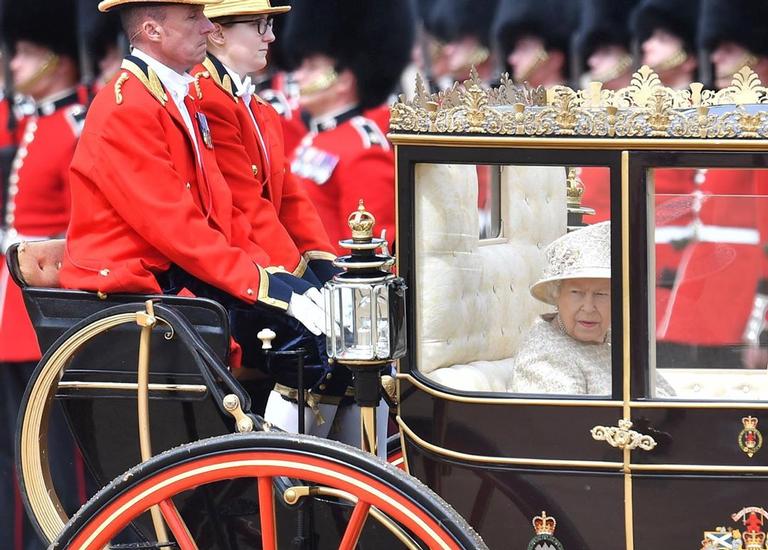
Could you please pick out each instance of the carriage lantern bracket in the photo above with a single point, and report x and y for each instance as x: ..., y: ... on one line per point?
x: 365, y: 315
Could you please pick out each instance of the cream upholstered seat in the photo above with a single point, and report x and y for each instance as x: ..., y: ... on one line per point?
x: 472, y: 301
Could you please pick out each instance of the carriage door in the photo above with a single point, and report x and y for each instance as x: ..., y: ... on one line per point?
x: 698, y: 350
x: 500, y: 446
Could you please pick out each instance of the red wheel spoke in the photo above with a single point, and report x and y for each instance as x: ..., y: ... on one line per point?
x: 177, y: 526
x: 267, y: 514
x: 355, y: 527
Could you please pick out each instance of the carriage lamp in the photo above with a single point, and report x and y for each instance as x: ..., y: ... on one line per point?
x: 365, y: 315
x: 574, y: 191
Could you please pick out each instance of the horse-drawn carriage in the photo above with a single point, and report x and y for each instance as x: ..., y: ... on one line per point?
x: 486, y: 180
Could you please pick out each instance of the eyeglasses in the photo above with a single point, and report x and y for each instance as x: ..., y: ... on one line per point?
x: 262, y: 24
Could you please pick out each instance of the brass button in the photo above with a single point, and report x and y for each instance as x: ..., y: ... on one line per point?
x: 321, y: 386
x: 101, y: 295
x: 329, y: 376
x: 255, y: 169
x: 104, y: 272
x: 249, y: 292
x: 189, y: 185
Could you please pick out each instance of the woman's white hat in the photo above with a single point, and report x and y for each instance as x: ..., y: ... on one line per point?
x: 581, y: 254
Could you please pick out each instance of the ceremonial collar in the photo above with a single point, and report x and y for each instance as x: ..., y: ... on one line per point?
x: 334, y: 119
x: 53, y: 103
x: 174, y: 82
x: 220, y: 75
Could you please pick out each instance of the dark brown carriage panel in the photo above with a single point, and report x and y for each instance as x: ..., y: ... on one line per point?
x: 500, y: 502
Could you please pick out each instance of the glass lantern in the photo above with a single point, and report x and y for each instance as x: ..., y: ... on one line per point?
x: 365, y: 304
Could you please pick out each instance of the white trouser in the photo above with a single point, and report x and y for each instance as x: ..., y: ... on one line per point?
x: 341, y: 423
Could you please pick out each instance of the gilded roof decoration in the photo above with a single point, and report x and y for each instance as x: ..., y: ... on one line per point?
x: 645, y: 108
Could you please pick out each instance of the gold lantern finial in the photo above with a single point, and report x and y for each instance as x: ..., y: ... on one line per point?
x: 574, y: 188
x: 361, y: 223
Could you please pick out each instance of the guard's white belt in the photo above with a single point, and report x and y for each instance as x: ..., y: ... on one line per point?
x: 707, y: 234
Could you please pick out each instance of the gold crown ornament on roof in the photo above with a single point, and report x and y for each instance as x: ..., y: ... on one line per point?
x: 243, y: 7
x: 106, y: 5
x: 643, y: 109
x: 361, y: 223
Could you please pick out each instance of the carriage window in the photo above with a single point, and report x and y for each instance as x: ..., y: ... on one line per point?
x: 523, y: 307
x: 709, y: 264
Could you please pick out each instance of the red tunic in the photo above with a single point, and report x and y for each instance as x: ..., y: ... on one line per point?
x: 38, y: 207
x: 347, y: 162
x: 710, y: 230
x: 142, y: 202
x: 285, y: 223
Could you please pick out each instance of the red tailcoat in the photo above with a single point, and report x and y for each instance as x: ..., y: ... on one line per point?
x: 285, y: 222
x: 142, y: 202
x: 38, y: 207
x: 345, y: 160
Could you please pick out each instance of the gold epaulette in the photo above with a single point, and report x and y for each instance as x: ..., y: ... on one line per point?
x: 198, y: 76
x: 220, y: 77
x: 119, y: 87
x: 149, y: 79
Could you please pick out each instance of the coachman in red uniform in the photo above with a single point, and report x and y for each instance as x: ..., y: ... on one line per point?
x: 350, y: 56
x: 250, y: 152
x: 151, y: 211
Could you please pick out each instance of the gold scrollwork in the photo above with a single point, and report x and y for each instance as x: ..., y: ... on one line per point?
x: 623, y: 437
x: 645, y: 108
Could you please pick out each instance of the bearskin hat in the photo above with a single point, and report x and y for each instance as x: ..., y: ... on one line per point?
x: 371, y: 38
x: 434, y: 23
x: 460, y: 18
x: 551, y: 20
x: 603, y: 23
x: 47, y: 23
x: 100, y: 30
x: 743, y: 22
x: 678, y: 17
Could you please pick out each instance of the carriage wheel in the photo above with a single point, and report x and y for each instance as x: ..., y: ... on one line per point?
x: 281, y: 468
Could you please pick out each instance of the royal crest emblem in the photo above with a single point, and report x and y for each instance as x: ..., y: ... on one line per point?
x: 544, y: 526
x: 751, y: 538
x: 750, y: 438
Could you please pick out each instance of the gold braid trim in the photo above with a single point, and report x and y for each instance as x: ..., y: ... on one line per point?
x: 201, y: 74
x: 223, y: 82
x: 119, y: 87
x: 150, y: 80
x: 310, y: 255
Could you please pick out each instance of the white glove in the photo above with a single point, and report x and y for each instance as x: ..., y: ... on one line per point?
x: 307, y: 312
x: 316, y: 296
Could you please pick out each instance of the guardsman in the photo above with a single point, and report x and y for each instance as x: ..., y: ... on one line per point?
x: 151, y: 211
x: 467, y: 24
x: 104, y: 44
x: 249, y: 149
x: 534, y: 42
x: 666, y: 31
x: 350, y: 57
x: 44, y: 68
x: 734, y: 34
x: 603, y: 44
x: 719, y: 292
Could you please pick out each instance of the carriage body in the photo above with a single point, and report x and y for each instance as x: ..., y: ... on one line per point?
x: 482, y: 189
x: 499, y: 458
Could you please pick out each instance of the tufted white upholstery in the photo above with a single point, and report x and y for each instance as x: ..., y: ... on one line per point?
x: 730, y: 384
x: 472, y: 304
